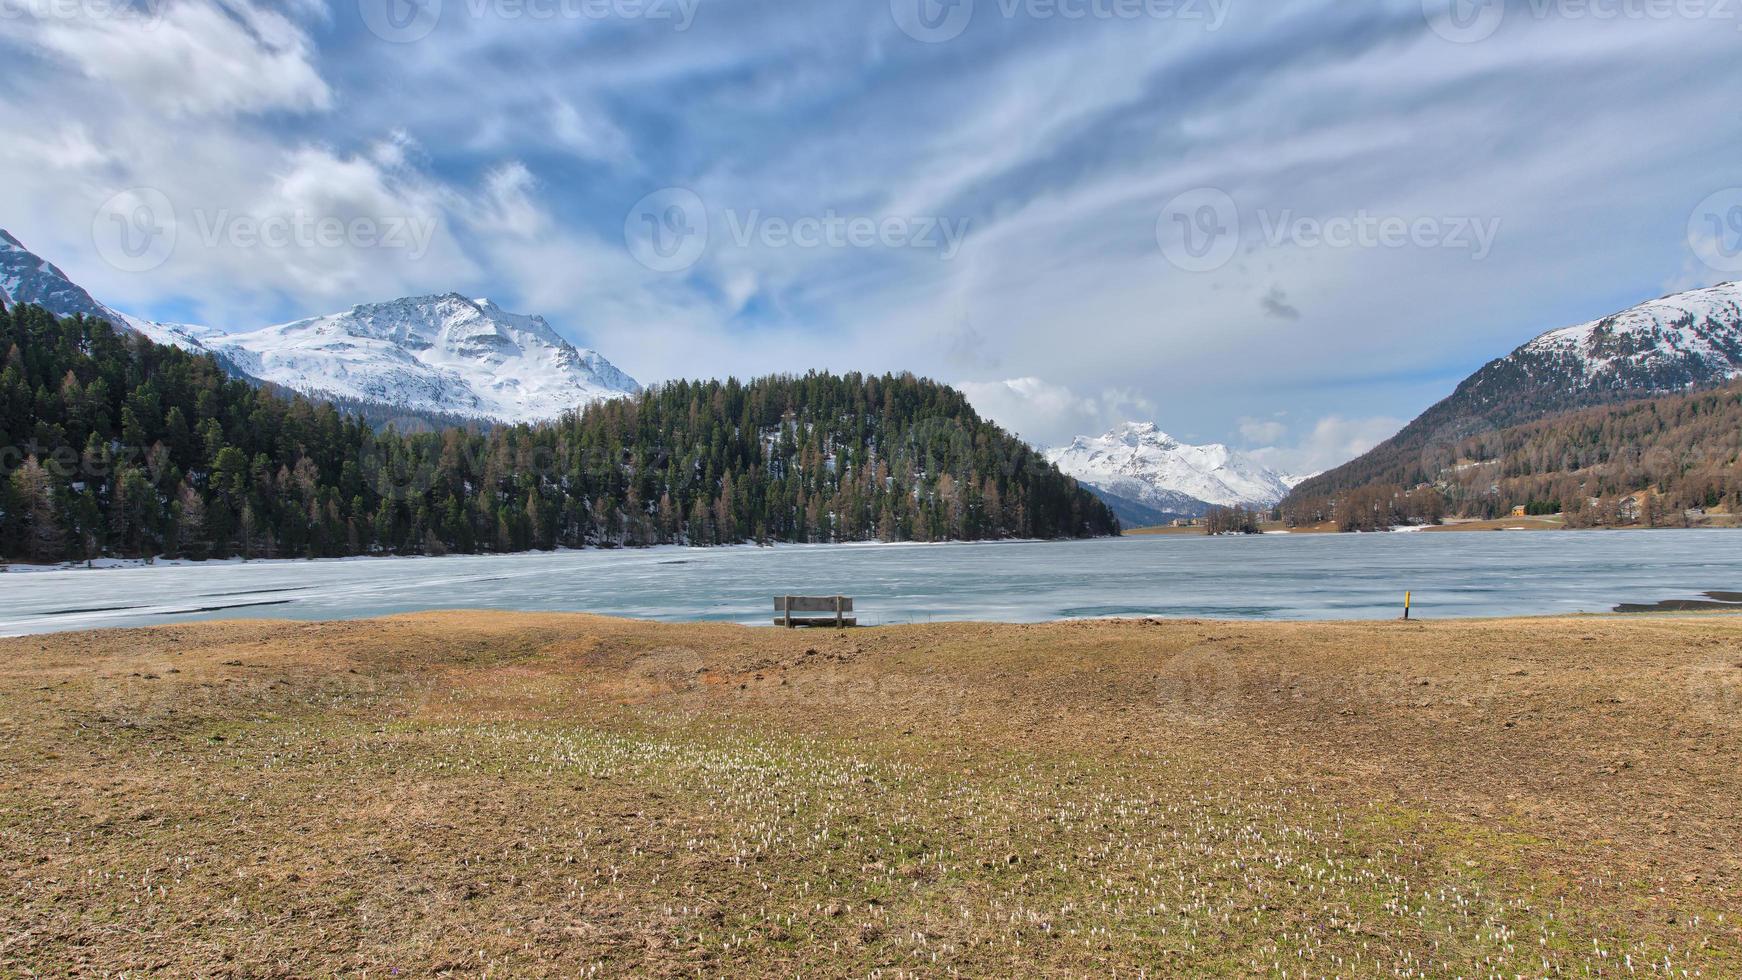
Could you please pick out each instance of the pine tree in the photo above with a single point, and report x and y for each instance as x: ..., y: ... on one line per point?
x: 33, y: 492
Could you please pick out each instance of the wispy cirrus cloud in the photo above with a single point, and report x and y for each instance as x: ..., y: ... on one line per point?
x: 1057, y: 144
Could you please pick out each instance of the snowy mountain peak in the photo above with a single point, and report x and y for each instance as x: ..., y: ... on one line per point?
x: 1139, y: 462
x: 1141, y: 433
x: 443, y: 353
x: 1681, y: 339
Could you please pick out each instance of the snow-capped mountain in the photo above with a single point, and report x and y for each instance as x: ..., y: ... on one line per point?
x: 446, y: 354
x: 1139, y: 462
x: 1659, y: 347
x: 1688, y: 338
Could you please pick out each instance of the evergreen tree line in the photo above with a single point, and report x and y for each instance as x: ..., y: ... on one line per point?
x: 1642, y: 462
x: 111, y: 445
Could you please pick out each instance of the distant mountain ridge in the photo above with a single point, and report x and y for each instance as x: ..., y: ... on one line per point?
x: 443, y: 355
x: 1668, y: 345
x: 1138, y: 464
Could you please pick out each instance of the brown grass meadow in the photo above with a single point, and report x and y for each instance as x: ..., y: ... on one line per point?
x: 511, y: 795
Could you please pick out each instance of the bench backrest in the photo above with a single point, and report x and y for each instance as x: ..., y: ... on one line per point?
x: 835, y: 607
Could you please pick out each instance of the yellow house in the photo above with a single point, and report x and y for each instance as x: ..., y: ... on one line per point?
x: 1518, y: 511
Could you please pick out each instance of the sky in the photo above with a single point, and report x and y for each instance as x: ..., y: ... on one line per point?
x: 1289, y: 227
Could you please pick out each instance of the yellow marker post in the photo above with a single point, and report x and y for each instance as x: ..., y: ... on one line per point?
x: 1406, y: 605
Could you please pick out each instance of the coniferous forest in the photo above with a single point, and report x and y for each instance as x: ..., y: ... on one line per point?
x: 113, y: 446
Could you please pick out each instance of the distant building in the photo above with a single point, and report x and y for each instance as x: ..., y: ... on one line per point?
x: 1185, y: 522
x: 1518, y: 511
x: 1632, y: 506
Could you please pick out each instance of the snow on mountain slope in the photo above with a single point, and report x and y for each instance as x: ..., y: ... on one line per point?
x: 1139, y: 462
x: 1659, y: 347
x: 26, y: 278
x: 445, y: 354
x: 1696, y: 335
x: 442, y: 353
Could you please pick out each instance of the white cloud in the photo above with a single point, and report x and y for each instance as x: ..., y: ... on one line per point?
x: 1048, y: 414
x: 1333, y: 441
x: 1059, y: 142
x: 194, y: 58
x: 507, y: 205
x: 1262, y: 431
x: 589, y: 134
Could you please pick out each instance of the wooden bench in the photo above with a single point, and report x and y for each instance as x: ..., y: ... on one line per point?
x: 837, y: 607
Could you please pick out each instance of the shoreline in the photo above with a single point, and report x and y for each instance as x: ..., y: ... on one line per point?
x: 1668, y: 610
x: 1270, y: 530
x: 128, y: 564
x: 1455, y: 526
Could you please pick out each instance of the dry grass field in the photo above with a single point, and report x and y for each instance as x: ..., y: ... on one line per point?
x: 497, y: 794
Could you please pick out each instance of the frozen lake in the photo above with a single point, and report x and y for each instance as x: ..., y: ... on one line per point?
x: 1270, y: 577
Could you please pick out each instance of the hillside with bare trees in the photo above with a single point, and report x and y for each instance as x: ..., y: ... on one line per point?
x: 1654, y: 462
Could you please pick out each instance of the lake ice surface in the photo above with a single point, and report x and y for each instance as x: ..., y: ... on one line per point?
x: 1269, y: 577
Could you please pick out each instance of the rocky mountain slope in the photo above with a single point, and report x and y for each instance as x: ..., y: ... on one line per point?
x: 27, y: 278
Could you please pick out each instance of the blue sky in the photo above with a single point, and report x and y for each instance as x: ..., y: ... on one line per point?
x: 1285, y: 226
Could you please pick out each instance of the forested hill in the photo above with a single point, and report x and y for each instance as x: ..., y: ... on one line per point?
x: 1656, y: 461
x: 111, y: 445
